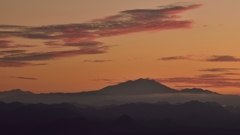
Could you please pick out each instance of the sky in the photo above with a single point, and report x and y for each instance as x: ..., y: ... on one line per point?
x: 76, y: 45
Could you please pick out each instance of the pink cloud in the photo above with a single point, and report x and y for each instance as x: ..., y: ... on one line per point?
x: 5, y: 43
x: 84, y: 35
x: 4, y: 37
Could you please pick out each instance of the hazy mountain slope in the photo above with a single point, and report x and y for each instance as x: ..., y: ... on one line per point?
x: 141, y: 90
x: 14, y: 92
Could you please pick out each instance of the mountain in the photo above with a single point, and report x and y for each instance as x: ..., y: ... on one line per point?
x: 140, y: 90
x: 14, y: 92
x: 137, y: 87
x: 197, y: 91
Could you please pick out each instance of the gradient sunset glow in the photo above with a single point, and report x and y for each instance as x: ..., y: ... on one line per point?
x: 74, y: 46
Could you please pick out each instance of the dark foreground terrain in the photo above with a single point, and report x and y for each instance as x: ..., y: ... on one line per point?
x: 161, y: 118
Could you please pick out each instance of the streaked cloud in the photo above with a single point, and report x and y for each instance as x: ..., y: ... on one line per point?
x: 104, y: 79
x: 110, y: 81
x: 230, y: 73
x: 97, y: 61
x: 219, y: 69
x: 85, y: 44
x: 24, y: 78
x: 207, y: 58
x: 53, y: 55
x: 5, y: 43
x: 223, y: 58
x: 203, y: 80
x: 52, y: 43
x: 83, y: 36
x: 12, y: 51
x: 18, y: 64
x: 175, y: 58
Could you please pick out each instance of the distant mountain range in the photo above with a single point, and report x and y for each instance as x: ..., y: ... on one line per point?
x: 141, y: 90
x: 131, y: 87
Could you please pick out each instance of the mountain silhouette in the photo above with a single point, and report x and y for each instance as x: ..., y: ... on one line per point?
x: 14, y: 92
x: 137, y: 87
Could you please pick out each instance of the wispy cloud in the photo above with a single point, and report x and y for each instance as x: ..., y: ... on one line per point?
x: 83, y: 36
x: 53, y: 55
x: 5, y: 43
x: 175, y: 58
x: 52, y: 43
x: 203, y: 80
x: 230, y: 73
x: 103, y: 79
x: 200, y: 57
x: 18, y: 64
x: 110, y: 81
x: 207, y: 58
x: 24, y: 78
x: 97, y: 61
x: 190, y: 86
x: 85, y: 44
x: 11, y: 52
x: 223, y: 58
x: 219, y: 69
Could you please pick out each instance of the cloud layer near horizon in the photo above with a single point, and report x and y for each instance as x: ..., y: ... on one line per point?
x: 207, y: 58
x: 221, y: 77
x: 97, y: 61
x: 203, y: 80
x: 83, y: 36
x: 219, y: 69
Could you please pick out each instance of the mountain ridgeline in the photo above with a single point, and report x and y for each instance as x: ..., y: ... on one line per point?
x: 141, y: 90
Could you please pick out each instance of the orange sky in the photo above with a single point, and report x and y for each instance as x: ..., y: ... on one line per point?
x: 72, y: 46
